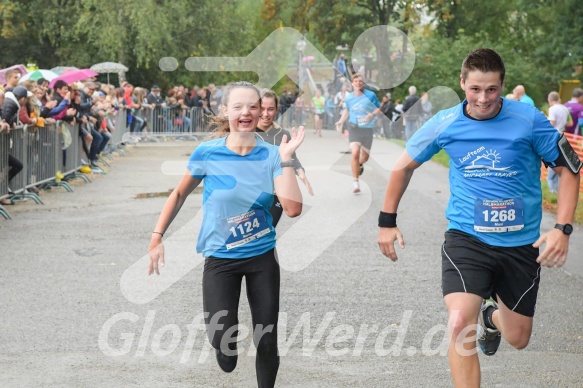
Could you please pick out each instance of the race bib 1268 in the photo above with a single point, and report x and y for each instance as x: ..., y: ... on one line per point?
x: 498, y: 215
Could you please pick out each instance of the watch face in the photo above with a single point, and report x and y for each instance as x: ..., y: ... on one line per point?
x: 568, y: 229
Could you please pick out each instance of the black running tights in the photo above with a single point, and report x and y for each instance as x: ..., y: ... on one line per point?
x: 221, y: 285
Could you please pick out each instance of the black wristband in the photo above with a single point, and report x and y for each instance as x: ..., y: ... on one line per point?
x: 387, y: 220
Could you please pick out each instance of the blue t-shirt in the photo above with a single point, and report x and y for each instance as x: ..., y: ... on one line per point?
x: 494, y: 172
x: 359, y: 107
x: 237, y: 195
x: 527, y: 100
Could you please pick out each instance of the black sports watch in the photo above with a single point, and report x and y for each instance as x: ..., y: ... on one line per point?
x: 567, y: 229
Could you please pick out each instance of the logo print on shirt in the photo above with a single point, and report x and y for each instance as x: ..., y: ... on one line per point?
x: 483, y: 164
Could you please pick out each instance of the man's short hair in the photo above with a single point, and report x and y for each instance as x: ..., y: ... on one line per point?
x: 412, y: 90
x: 554, y: 96
x: 41, y: 81
x: 355, y: 76
x: 577, y: 92
x: 12, y: 71
x: 484, y: 60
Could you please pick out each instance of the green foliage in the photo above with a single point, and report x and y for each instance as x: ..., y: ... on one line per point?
x: 540, y: 40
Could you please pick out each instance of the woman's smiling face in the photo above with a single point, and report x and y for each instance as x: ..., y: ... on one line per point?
x: 243, y: 109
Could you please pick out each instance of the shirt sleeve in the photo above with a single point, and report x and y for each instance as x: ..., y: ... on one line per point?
x: 425, y: 142
x: 196, y: 163
x: 545, y: 138
x: 276, y: 166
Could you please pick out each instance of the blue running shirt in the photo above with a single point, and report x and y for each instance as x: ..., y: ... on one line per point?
x: 359, y: 107
x: 494, y: 171
x: 236, y: 199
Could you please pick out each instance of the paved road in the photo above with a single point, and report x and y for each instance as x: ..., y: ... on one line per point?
x: 350, y: 317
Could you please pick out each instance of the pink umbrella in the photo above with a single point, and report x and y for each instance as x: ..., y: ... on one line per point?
x: 74, y: 76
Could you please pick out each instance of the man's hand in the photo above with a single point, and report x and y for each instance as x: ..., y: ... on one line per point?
x: 4, y: 127
x: 387, y: 238
x: 555, y: 252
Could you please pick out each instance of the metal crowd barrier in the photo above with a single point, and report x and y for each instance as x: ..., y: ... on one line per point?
x: 162, y: 122
x: 121, y: 128
x: 4, y: 152
x: 50, y: 156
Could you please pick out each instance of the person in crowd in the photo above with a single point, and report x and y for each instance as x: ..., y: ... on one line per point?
x: 237, y: 237
x: 329, y: 110
x: 362, y: 107
x: 575, y: 107
x: 339, y: 99
x: 318, y: 103
x: 12, y: 78
x: 137, y: 123
x: 14, y: 100
x: 560, y: 118
x: 388, y: 109
x: 28, y: 114
x: 412, y: 110
x: 157, y: 103
x: 298, y: 114
x: 342, y: 66
x: 491, y: 262
x: 269, y: 131
x: 520, y: 93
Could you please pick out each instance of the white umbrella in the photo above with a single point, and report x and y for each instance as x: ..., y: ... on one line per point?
x: 37, y: 74
x: 109, y: 67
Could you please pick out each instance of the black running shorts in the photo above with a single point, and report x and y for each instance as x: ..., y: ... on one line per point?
x: 509, y: 273
x: 360, y: 135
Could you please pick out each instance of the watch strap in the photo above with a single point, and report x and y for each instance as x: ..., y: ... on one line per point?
x: 288, y: 163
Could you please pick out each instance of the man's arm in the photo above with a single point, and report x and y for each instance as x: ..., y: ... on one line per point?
x: 557, y: 243
x: 398, y: 182
x: 342, y: 119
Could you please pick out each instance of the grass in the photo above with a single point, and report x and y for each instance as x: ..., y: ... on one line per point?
x: 549, y: 199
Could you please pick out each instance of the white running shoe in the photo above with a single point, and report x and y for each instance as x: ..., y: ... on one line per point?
x: 355, y: 187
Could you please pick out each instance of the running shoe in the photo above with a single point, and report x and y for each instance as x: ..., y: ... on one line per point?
x: 355, y: 187
x: 361, y: 170
x: 488, y: 339
x: 227, y: 363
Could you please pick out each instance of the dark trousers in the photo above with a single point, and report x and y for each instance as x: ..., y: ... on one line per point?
x: 221, y: 284
x: 15, y: 166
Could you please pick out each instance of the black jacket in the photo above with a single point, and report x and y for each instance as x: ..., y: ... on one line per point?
x: 411, y: 110
x: 10, y: 109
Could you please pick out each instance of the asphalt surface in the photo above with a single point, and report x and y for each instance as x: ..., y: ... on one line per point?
x: 77, y: 310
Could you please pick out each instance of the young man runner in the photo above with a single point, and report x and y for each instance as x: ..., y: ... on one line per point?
x: 362, y: 106
x: 491, y: 249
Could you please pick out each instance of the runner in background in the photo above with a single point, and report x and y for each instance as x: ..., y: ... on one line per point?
x: 362, y: 106
x: 269, y: 131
